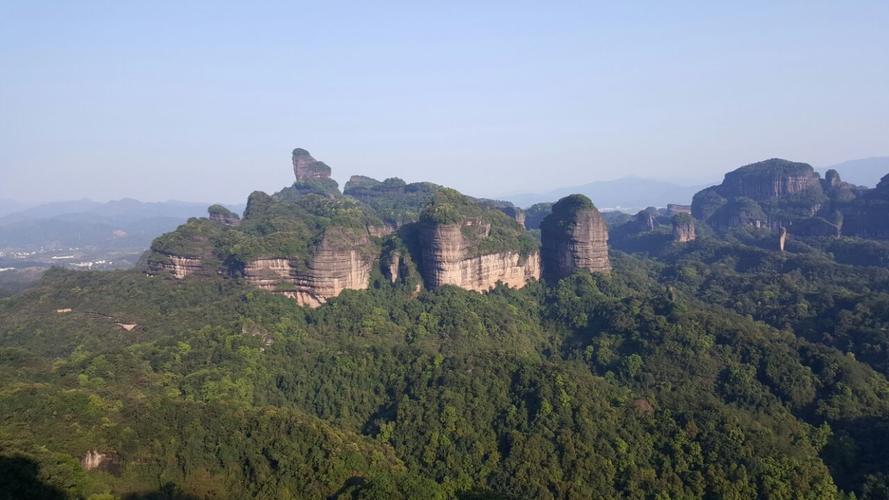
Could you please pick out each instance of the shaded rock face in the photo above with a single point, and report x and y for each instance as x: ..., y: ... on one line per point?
x: 307, y: 168
x: 178, y: 266
x: 446, y: 260
x: 770, y: 179
x: 574, y: 237
x: 816, y: 226
x: 336, y: 265
x: 516, y: 213
x: 683, y: 228
x: 645, y: 220
x: 740, y: 212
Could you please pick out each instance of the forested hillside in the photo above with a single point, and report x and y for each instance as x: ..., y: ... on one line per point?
x: 695, y: 362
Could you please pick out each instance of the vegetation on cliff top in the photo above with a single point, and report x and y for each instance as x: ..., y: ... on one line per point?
x: 486, y: 229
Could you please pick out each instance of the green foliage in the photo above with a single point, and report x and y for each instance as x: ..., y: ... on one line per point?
x: 708, y: 370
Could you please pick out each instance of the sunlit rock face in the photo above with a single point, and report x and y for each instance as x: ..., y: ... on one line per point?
x: 107, y: 461
x: 683, y: 228
x: 447, y: 260
x: 176, y: 265
x: 307, y: 168
x: 574, y: 237
x: 341, y: 261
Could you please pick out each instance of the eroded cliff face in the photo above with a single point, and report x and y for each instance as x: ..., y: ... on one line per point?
x: 341, y: 261
x: 447, y: 260
x: 770, y: 179
x: 176, y: 265
x: 107, y: 461
x: 574, y: 236
x: 683, y: 228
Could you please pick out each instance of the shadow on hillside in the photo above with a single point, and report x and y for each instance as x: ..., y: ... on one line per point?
x: 168, y: 491
x: 20, y: 478
x: 858, y: 456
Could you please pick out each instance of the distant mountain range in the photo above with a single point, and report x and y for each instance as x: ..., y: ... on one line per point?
x: 864, y: 172
x: 634, y: 193
x: 119, y: 224
x: 626, y: 193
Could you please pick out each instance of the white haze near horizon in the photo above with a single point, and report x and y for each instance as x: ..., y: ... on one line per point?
x: 204, y: 101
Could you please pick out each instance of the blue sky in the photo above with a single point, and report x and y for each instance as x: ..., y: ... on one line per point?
x: 204, y: 100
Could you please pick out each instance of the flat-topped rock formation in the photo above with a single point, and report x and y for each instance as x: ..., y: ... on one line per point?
x: 449, y: 259
x: 473, y: 246
x: 340, y: 262
x: 574, y: 237
x: 770, y: 179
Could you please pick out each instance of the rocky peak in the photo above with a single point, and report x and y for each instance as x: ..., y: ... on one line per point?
x: 574, y: 236
x: 770, y: 179
x: 832, y: 179
x: 307, y: 168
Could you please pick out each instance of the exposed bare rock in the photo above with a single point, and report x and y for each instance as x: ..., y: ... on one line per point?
x: 782, y: 239
x: 380, y: 231
x: 683, y: 228
x: 107, y: 461
x: 340, y: 262
x: 448, y: 260
x: 770, y: 179
x: 176, y: 265
x: 574, y: 237
x: 393, y: 266
x: 307, y: 168
x: 222, y: 215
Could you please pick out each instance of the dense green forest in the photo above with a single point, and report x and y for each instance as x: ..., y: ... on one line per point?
x: 713, y: 369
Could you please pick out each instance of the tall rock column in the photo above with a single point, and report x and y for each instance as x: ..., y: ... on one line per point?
x: 683, y: 228
x: 574, y: 236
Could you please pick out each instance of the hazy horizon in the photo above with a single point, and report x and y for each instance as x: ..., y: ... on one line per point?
x: 203, y: 102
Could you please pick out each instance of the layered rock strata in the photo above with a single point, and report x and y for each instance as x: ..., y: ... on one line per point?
x: 176, y: 265
x: 447, y: 260
x: 574, y: 237
x: 333, y: 267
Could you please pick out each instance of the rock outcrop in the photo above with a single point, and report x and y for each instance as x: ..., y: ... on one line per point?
x: 767, y: 195
x: 222, y: 215
x: 176, y: 265
x: 448, y: 259
x: 574, y: 237
x: 107, y: 461
x: 342, y: 261
x: 683, y: 228
x: 770, y: 179
x: 306, y: 168
x: 782, y: 238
